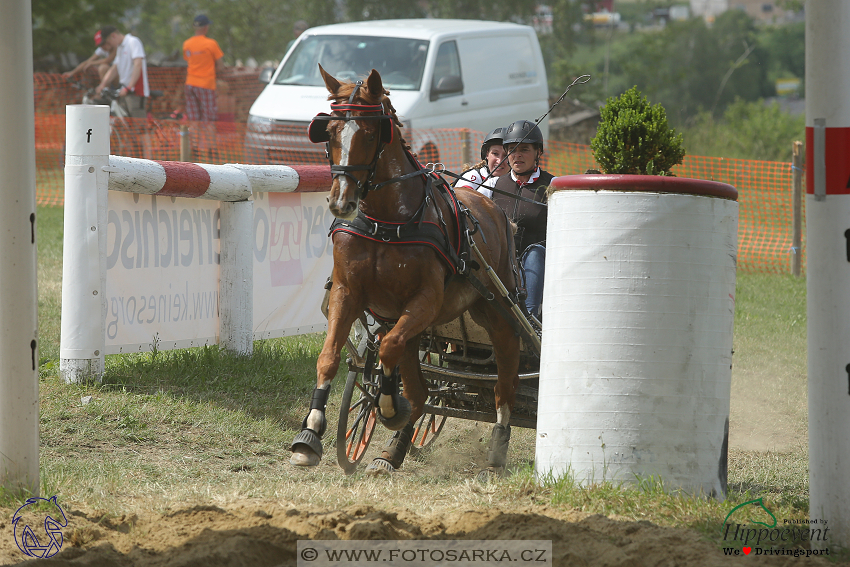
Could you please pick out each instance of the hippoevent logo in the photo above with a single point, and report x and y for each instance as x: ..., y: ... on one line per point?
x: 755, y: 528
x: 45, y: 540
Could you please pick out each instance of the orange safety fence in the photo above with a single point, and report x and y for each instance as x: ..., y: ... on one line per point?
x: 764, y: 188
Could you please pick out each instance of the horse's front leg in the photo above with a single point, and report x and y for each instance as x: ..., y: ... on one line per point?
x: 418, y: 315
x: 343, y: 310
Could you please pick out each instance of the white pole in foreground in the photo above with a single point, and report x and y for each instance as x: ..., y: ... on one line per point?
x: 18, y: 282
x: 828, y: 269
x: 82, y: 343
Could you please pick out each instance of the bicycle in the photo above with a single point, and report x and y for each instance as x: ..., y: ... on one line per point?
x: 158, y: 139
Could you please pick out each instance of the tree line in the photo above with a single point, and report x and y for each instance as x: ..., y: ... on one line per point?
x: 695, y: 70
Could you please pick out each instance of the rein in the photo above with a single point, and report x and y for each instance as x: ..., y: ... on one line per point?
x: 493, y: 189
x: 413, y: 231
x: 416, y: 230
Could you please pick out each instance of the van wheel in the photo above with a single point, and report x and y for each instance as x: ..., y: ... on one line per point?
x: 429, y: 154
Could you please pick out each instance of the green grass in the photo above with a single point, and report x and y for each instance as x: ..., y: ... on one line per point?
x: 171, y: 428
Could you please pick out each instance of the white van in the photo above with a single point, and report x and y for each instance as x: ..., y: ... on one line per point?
x: 440, y: 74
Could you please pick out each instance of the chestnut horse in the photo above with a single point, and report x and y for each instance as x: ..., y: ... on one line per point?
x: 379, y: 184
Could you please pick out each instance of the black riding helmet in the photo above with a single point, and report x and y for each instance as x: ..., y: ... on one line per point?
x: 523, y: 131
x: 491, y: 139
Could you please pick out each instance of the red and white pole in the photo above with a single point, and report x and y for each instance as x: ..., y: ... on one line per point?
x: 18, y: 297
x: 828, y: 264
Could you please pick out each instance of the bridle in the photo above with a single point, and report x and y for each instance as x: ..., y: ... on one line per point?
x: 317, y: 133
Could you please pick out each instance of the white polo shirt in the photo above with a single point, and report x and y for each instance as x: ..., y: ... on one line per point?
x: 132, y: 48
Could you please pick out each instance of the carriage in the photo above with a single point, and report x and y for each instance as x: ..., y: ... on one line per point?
x: 457, y: 360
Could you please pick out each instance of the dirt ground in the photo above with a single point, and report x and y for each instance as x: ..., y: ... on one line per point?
x: 267, y: 534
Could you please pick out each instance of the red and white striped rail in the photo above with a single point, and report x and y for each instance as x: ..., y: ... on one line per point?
x: 90, y: 172
x: 229, y: 182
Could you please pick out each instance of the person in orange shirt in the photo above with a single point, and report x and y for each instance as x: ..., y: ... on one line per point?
x: 205, y: 59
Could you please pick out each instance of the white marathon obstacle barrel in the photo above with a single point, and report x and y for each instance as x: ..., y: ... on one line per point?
x: 635, y: 372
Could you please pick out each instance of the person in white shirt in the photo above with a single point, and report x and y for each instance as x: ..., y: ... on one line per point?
x: 492, y: 164
x: 130, y: 67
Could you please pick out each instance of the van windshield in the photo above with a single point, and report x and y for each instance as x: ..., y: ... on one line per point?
x: 400, y: 61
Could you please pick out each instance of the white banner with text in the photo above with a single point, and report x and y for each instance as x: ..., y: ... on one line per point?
x: 162, y: 258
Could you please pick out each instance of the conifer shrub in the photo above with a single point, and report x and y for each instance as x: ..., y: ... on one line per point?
x: 634, y: 137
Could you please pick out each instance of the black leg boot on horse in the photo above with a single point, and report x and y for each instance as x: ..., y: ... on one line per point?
x: 390, y: 401
x: 393, y: 409
x: 393, y: 454
x: 307, y: 446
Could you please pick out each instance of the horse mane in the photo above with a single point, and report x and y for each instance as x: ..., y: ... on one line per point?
x: 344, y: 93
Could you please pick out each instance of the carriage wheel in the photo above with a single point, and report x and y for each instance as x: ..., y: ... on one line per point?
x: 429, y: 426
x: 357, y: 419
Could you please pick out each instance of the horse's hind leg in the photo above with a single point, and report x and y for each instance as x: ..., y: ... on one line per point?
x: 506, y: 347
x: 416, y: 391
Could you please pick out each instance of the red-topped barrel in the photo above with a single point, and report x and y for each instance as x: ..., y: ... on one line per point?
x: 638, y: 310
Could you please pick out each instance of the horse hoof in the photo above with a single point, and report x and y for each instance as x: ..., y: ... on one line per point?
x: 497, y: 456
x: 380, y: 467
x: 306, y: 449
x: 402, y: 414
x: 304, y: 457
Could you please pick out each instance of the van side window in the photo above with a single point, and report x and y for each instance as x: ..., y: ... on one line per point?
x: 447, y: 76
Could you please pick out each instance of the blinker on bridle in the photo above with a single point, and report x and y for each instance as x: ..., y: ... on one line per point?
x: 317, y: 132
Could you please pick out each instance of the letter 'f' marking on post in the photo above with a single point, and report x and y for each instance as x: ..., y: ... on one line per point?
x: 88, y: 136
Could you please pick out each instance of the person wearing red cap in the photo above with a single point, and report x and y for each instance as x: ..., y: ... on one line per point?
x: 101, y: 57
x: 205, y: 59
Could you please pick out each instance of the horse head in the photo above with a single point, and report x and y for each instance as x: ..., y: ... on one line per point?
x: 363, y: 122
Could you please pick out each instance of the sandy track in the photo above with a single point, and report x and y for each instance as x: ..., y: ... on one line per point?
x: 266, y: 534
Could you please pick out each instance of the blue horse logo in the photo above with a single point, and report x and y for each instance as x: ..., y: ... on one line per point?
x: 26, y: 538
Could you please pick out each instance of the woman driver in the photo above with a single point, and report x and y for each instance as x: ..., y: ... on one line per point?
x: 523, y: 143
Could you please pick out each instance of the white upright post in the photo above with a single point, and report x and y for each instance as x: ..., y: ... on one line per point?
x: 828, y: 269
x: 84, y: 307
x: 236, y: 286
x: 18, y: 281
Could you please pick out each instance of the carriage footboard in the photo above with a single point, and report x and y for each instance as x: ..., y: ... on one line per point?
x: 482, y: 416
x: 469, y: 377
